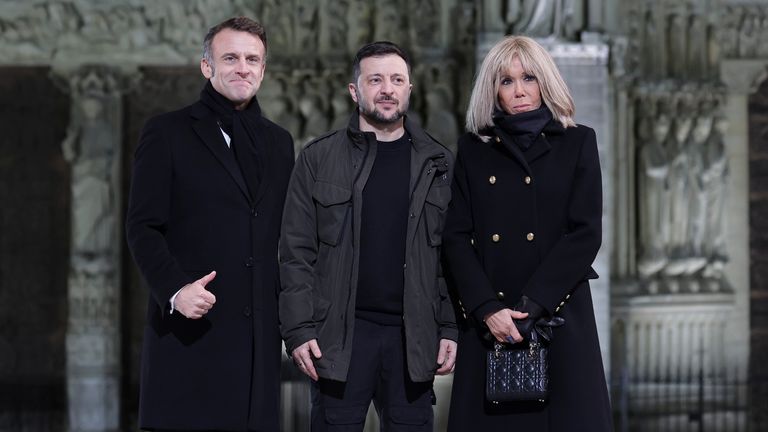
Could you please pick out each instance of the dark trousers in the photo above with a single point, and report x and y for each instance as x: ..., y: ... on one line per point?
x: 377, y: 373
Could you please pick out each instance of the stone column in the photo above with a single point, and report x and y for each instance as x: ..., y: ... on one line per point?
x: 92, y: 146
x: 744, y: 78
x: 747, y: 108
x: 584, y: 67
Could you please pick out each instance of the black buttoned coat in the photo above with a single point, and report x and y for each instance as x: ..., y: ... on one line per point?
x: 528, y: 223
x: 189, y: 213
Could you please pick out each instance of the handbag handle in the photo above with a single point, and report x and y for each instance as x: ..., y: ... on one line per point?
x: 533, y: 344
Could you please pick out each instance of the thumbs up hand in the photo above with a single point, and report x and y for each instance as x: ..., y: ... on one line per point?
x: 193, y: 300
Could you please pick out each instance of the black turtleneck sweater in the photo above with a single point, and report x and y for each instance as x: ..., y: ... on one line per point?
x: 382, y: 234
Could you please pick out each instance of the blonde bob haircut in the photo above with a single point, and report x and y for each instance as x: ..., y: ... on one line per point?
x: 537, y: 62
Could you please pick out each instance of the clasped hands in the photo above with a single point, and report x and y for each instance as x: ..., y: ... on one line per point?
x: 514, y: 325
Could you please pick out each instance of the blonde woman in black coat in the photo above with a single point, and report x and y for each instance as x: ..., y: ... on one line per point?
x: 522, y: 232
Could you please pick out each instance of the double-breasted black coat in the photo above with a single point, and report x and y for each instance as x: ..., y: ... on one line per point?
x: 190, y: 213
x: 528, y: 223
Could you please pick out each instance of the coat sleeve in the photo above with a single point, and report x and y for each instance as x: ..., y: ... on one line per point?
x: 447, y: 314
x: 148, y: 214
x: 298, y: 254
x: 569, y: 260
x: 473, y: 287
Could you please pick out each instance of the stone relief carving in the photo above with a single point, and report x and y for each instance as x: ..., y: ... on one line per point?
x: 653, y: 128
x: 743, y: 31
x: 169, y: 32
x: 714, y: 178
x: 89, y: 147
x: 679, y: 40
x: 682, y: 170
x: 541, y: 18
x: 316, y: 37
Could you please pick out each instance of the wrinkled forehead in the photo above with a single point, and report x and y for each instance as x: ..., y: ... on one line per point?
x: 235, y: 41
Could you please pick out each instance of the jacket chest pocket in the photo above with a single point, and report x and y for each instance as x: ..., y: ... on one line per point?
x: 435, y: 208
x: 333, y: 206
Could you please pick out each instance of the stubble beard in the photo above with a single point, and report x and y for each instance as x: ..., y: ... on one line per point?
x: 375, y: 116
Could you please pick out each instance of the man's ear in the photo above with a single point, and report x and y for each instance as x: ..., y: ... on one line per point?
x: 352, y: 91
x: 206, y: 69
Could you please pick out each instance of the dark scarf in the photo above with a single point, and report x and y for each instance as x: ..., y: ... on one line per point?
x: 524, y: 127
x: 242, y: 126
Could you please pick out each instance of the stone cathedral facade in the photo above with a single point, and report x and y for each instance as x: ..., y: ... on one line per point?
x: 677, y: 91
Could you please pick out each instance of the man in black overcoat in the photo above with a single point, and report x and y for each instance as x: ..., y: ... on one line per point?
x: 203, y: 223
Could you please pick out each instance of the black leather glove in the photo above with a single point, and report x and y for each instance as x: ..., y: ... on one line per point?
x: 526, y: 325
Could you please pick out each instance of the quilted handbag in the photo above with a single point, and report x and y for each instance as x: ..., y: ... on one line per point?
x: 517, y: 372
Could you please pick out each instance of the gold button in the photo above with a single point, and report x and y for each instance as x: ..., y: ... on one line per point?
x: 562, y: 304
x: 464, y: 315
x: 529, y: 236
x: 527, y: 179
x: 492, y: 179
x: 568, y: 296
x: 498, y: 139
x: 495, y: 238
x: 500, y: 295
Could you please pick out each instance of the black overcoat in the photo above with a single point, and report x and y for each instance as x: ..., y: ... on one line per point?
x: 528, y: 223
x: 190, y: 213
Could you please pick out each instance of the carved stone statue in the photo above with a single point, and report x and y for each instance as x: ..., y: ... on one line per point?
x: 697, y: 195
x: 653, y: 168
x: 729, y: 33
x: 492, y: 17
x: 748, y: 35
x: 654, y: 59
x: 697, y: 63
x: 540, y: 18
x: 387, y: 23
x: 715, y: 176
x: 341, y: 107
x: 88, y: 146
x: 677, y: 37
x: 305, y: 30
x: 359, y: 23
x: 679, y: 187
x: 313, y: 113
x: 276, y: 103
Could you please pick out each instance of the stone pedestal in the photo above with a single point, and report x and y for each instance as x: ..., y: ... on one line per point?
x: 670, y: 354
x: 93, y: 353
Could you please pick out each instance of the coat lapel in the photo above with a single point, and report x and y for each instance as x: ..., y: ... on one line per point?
x: 206, y: 128
x: 503, y: 140
x: 539, y: 148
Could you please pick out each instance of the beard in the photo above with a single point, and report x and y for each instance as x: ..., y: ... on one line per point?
x: 373, y: 115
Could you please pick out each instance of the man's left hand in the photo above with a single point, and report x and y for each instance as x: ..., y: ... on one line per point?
x: 446, y: 357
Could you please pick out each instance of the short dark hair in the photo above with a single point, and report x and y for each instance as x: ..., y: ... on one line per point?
x: 241, y: 23
x: 377, y: 49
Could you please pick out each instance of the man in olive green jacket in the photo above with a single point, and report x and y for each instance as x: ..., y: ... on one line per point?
x: 363, y: 305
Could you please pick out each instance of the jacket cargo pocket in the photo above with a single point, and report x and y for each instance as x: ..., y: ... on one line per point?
x: 410, y: 415
x: 435, y: 209
x: 333, y: 205
x: 354, y: 415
